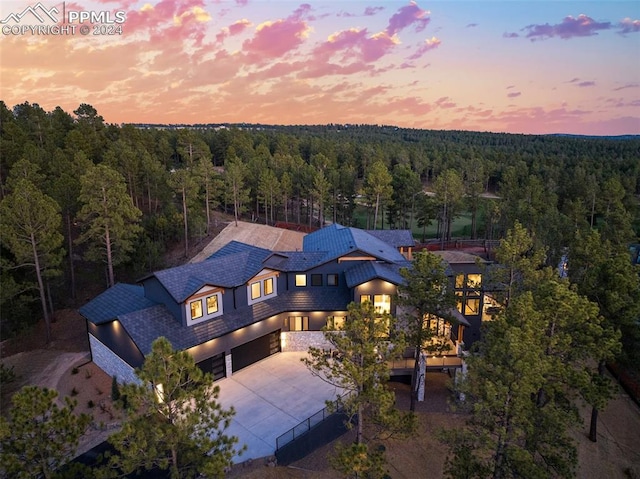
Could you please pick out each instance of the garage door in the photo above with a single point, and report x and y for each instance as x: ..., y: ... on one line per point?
x: 253, y: 351
x: 214, y: 365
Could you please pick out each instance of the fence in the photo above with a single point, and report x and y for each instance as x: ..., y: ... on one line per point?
x: 309, y: 423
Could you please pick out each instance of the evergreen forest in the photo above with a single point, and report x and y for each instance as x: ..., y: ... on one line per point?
x: 85, y: 203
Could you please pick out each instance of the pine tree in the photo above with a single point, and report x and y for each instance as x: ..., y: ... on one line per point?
x: 31, y: 223
x: 109, y: 218
x: 38, y: 436
x: 360, y: 369
x: 426, y: 294
x: 173, y: 421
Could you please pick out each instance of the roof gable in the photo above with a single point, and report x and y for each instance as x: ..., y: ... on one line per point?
x: 227, y: 268
x: 337, y: 240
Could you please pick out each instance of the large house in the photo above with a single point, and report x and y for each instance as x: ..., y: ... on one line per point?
x: 245, y: 303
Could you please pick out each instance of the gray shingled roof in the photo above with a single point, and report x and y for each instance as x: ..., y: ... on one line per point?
x: 338, y: 240
x: 119, y: 299
x: 148, y: 324
x: 366, y: 271
x: 295, y: 260
x: 226, y: 268
x: 396, y: 238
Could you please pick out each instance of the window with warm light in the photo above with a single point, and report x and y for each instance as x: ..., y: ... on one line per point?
x: 268, y: 286
x: 335, y: 322
x: 196, y: 309
x: 365, y: 297
x: 382, y: 303
x: 298, y: 323
x: 255, y: 290
x: 472, y: 306
x: 301, y: 279
x: 474, y: 281
x: 212, y: 304
x: 460, y: 281
x: 204, y: 305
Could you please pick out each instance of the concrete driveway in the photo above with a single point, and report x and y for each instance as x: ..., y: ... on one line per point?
x: 270, y: 397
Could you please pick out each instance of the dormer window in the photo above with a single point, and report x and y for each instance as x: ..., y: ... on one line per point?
x: 204, y: 305
x: 262, y: 287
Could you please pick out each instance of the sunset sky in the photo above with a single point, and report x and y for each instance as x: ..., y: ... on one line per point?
x: 502, y: 66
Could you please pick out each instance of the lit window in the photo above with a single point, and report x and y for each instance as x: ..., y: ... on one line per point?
x: 474, y: 280
x: 365, y: 297
x: 460, y: 281
x: 335, y: 322
x: 196, y: 309
x: 298, y: 323
x: 382, y: 303
x: 332, y: 280
x: 301, y: 279
x: 472, y: 306
x: 268, y: 286
x: 459, y: 301
x: 255, y: 290
x: 212, y: 304
x: 316, y: 280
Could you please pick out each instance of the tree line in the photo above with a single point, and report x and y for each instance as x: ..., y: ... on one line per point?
x: 76, y: 190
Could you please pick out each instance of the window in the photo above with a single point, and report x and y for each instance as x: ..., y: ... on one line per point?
x: 298, y: 323
x: 460, y: 281
x: 196, y: 309
x: 459, y: 301
x: 335, y: 322
x: 212, y: 304
x: 301, y: 279
x: 440, y: 327
x: 474, y: 280
x: 268, y: 286
x: 255, y: 290
x: 332, y: 280
x: 472, y: 306
x: 316, y: 280
x: 365, y: 297
x: 203, y: 306
x: 382, y: 303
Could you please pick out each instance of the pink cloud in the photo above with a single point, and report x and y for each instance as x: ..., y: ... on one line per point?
x: 514, y: 94
x: 445, y: 103
x: 163, y: 15
x: 429, y: 44
x: 629, y: 26
x: 242, y: 3
x: 355, y: 45
x: 274, y: 39
x: 580, y: 26
x: 238, y: 26
x: 407, y: 16
x: 586, y: 84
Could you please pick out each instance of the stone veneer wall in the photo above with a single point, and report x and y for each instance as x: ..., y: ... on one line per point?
x: 110, y: 363
x: 301, y: 340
